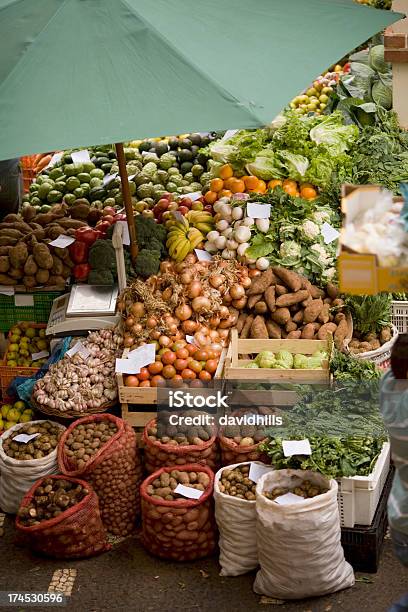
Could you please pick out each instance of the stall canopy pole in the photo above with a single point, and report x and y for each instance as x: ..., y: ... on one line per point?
x: 127, y: 199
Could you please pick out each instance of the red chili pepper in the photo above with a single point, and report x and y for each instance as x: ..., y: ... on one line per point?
x: 87, y: 235
x: 78, y: 252
x: 81, y: 271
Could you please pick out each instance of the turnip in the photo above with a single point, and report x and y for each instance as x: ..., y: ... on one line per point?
x: 242, y: 248
x: 242, y: 234
x: 211, y: 236
x: 222, y: 225
x: 262, y: 225
x: 237, y: 213
x: 262, y: 263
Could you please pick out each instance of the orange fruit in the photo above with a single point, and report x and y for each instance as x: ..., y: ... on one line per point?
x: 229, y: 182
x: 238, y: 186
x: 226, y: 172
x: 291, y: 190
x: 216, y: 184
x: 274, y: 183
x: 224, y: 193
x: 306, y: 185
x: 211, y: 197
x: 251, y: 182
x: 261, y: 186
x: 308, y: 193
x: 289, y: 183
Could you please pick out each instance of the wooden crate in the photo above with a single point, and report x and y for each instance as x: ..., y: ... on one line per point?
x: 234, y: 366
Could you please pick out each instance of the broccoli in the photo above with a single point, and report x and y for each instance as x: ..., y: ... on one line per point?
x: 100, y: 277
x: 150, y: 233
x: 102, y: 255
x: 147, y: 263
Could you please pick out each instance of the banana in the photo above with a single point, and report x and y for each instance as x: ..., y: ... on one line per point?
x: 199, y: 216
x: 182, y: 222
x: 204, y: 227
x: 181, y: 250
x: 195, y: 237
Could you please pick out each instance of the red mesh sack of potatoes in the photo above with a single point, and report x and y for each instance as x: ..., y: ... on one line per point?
x: 239, y: 442
x: 172, y: 453
x: 180, y: 529
x: 102, y: 449
x: 75, y: 532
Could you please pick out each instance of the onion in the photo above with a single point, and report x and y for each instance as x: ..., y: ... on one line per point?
x: 194, y: 289
x: 232, y: 245
x: 121, y: 305
x: 227, y: 299
x: 220, y: 242
x: 186, y: 278
x: 151, y: 322
x: 237, y: 213
x: 164, y: 341
x: 228, y: 232
x: 183, y: 312
x: 180, y: 267
x: 213, y: 334
x: 138, y: 310
x: 172, y: 328
x: 224, y: 312
x: 217, y: 347
x: 214, y: 321
x: 201, y: 304
x: 200, y: 339
x: 223, y: 333
x: 222, y: 225
x: 155, y: 334
x: 137, y: 329
x: 226, y: 323
x: 241, y: 303
x: 190, y: 259
x: 166, y: 266
x: 246, y: 282
x: 211, y: 236
x: 237, y: 292
x: 189, y: 326
x: 129, y: 322
x: 216, y: 280
x: 167, y: 293
x: 253, y: 273
x: 128, y: 341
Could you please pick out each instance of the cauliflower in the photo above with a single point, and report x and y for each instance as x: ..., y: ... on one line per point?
x: 290, y: 250
x: 330, y: 273
x: 321, y: 216
x: 323, y: 257
x: 309, y: 229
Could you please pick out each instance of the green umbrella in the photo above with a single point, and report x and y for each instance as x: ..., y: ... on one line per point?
x: 81, y: 72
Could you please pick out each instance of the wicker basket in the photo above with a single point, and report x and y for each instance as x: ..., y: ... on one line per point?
x: 70, y: 414
x: 382, y: 355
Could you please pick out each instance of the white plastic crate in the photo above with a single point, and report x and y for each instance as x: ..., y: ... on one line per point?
x: 358, y: 496
x: 399, y: 316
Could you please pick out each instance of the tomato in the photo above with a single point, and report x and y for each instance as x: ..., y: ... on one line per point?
x: 188, y: 374
x: 131, y: 381
x: 196, y: 384
x: 163, y: 350
x: 195, y: 366
x: 182, y: 353
x: 191, y: 348
x: 204, y: 376
x: 176, y: 381
x: 201, y: 355
x: 158, y: 381
x: 178, y: 345
x: 212, y: 354
x: 145, y: 383
x: 155, y: 367
x: 169, y: 371
x: 144, y: 374
x: 169, y: 357
x: 211, y: 365
x: 180, y: 364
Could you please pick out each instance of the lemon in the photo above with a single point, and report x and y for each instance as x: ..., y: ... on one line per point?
x: 4, y: 410
x: 30, y: 332
x: 13, y: 415
x: 9, y: 424
x: 25, y: 418
x: 13, y: 347
x: 12, y: 363
x: 19, y: 405
x: 16, y: 331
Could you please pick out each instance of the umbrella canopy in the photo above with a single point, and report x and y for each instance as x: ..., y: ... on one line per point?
x: 81, y: 72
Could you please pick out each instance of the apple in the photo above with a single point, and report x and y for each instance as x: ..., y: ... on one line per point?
x: 183, y: 210
x: 186, y: 202
x: 173, y: 206
x: 109, y: 218
x: 163, y: 204
x: 109, y: 210
x: 197, y: 205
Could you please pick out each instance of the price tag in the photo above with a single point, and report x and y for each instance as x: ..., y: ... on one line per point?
x: 108, y: 178
x: 177, y: 215
x: 188, y: 492
x: 143, y: 355
x: 258, y: 211
x: 40, y: 355
x: 5, y: 290
x: 54, y: 160
x: 289, y: 498
x: 131, y: 177
x: 125, y: 232
x: 144, y: 153
x: 80, y: 157
x: 196, y: 195
x: 256, y: 471
x: 190, y: 339
x: 22, y: 299
x: 78, y: 348
x: 296, y: 447
x: 62, y: 241
x: 229, y: 134
x: 329, y: 233
x: 126, y: 366
x: 24, y: 438
x: 203, y: 255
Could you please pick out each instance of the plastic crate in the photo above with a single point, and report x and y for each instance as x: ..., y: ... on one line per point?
x: 399, y: 316
x: 363, y: 545
x: 10, y: 314
x: 358, y: 496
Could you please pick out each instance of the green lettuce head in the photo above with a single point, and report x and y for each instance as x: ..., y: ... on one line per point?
x: 265, y: 359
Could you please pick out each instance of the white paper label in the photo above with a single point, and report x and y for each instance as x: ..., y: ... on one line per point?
x: 144, y: 355
x: 54, y: 160
x: 188, y: 492
x: 62, y: 241
x: 79, y: 157
x: 329, y: 233
x: 39, y: 355
x: 256, y: 471
x: 5, y: 290
x: 78, y: 348
x: 126, y: 366
x: 196, y: 195
x: 177, y: 215
x: 25, y: 438
x: 125, y: 232
x: 144, y: 153
x: 296, y: 447
x: 108, y: 178
x: 203, y: 255
x: 229, y: 134
x: 258, y: 211
x: 289, y: 498
x: 131, y: 177
x: 190, y: 339
x: 21, y: 299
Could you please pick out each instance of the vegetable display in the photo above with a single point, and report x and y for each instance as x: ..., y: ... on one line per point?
x: 86, y: 440
x: 164, y: 486
x: 371, y: 321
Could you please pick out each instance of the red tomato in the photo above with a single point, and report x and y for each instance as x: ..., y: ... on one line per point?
x: 155, y: 367
x: 178, y: 345
x: 195, y: 366
x: 131, y: 381
x: 144, y: 374
x: 191, y: 348
x: 169, y: 371
x: 182, y: 353
x: 163, y: 350
x: 188, y: 374
x: 212, y: 354
x: 169, y: 357
x: 145, y: 383
x: 109, y: 219
x: 204, y: 376
x: 211, y: 365
x: 158, y: 381
x: 201, y: 355
x: 176, y: 381
x: 180, y: 364
x: 183, y: 210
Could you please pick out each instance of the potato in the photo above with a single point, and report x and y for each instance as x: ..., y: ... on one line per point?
x: 290, y: 326
x: 18, y: 255
x: 308, y: 332
x: 30, y: 266
x: 291, y: 279
x: 258, y: 328
x: 324, y: 314
x: 281, y: 316
x: 4, y: 264
x: 274, y: 331
x: 312, y: 311
x: 340, y: 334
x: 42, y: 276
x: 269, y: 297
x: 292, y: 298
x: 260, y: 283
x: 294, y: 335
x: 332, y: 291
x: 281, y: 290
x: 247, y: 327
x: 298, y: 317
x: 261, y: 307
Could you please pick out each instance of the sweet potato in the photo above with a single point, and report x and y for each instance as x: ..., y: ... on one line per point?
x: 12, y: 218
x: 261, y: 282
x: 71, y: 223
x: 291, y: 279
x: 339, y: 317
x: 253, y: 299
x: 327, y: 301
x: 13, y: 233
x: 340, y: 334
x: 46, y: 218
x: 18, y: 255
x: 56, y: 281
x: 30, y: 266
x: 58, y: 265
x: 258, y: 329
x: 5, y: 250
x: 7, y: 241
x: 7, y: 280
x: 281, y: 290
x: 338, y: 302
x: 298, y: 317
x: 28, y: 212
x: 269, y: 297
x: 290, y: 326
x: 294, y: 335
x: 240, y: 323
x: 295, y: 308
x: 274, y: 331
x: 316, y: 293
x: 247, y: 326
x: 80, y: 210
x: 332, y: 291
x: 308, y: 332
x: 4, y: 264
x: 66, y: 271
x: 42, y: 276
x: 29, y: 282
x: 324, y: 316
x: 42, y: 256
x: 325, y: 330
x: 261, y: 307
x: 54, y: 230
x: 312, y: 311
x: 281, y: 316
x: 308, y: 301
x: 292, y: 298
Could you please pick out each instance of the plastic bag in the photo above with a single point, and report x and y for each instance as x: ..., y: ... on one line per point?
x: 18, y: 476
x: 182, y: 530
x: 299, y: 548
x: 109, y: 471
x: 76, y: 533
x: 235, y: 517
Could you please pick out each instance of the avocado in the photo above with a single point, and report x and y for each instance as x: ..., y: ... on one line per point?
x: 185, y: 155
x: 185, y: 143
x: 195, y: 139
x: 145, y: 145
x: 186, y: 167
x: 173, y: 143
x: 161, y: 148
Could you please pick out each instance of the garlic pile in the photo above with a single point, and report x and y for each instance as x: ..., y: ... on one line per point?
x: 77, y: 384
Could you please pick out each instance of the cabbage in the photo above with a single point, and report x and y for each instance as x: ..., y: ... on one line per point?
x: 333, y: 135
x: 376, y: 59
x: 251, y: 365
x: 265, y: 359
x: 220, y: 150
x: 316, y: 360
x: 300, y: 362
x: 320, y: 170
x: 285, y: 359
x: 267, y: 166
x: 296, y: 165
x: 382, y: 94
